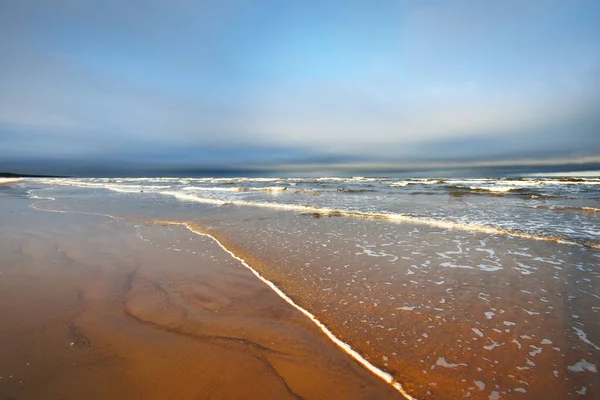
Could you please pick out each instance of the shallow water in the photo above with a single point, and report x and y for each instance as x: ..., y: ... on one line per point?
x: 455, y: 288
x: 546, y: 207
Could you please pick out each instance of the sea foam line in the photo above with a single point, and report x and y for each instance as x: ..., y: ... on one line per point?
x: 444, y: 224
x: 341, y: 344
x: 388, y: 216
x: 6, y: 181
x: 388, y: 378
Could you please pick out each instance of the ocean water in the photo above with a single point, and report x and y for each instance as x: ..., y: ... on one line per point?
x: 548, y: 208
x: 448, y: 288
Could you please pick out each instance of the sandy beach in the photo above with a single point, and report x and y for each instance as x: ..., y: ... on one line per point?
x: 97, y: 308
x: 299, y: 200
x: 112, y: 288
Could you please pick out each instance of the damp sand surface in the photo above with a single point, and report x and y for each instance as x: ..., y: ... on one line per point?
x: 94, y: 307
x: 447, y: 313
x: 450, y: 314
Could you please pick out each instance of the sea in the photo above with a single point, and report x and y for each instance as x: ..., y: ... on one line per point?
x: 485, y: 288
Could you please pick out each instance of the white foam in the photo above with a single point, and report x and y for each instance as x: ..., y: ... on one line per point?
x: 6, y: 181
x: 271, y: 189
x: 582, y: 391
x: 583, y: 336
x: 488, y: 268
x: 477, y: 331
x: 399, y: 184
x: 215, y: 189
x: 588, y: 293
x: 395, y: 217
x: 109, y: 184
x: 530, y: 312
x: 443, y: 363
x: 547, y: 260
x: 536, y: 350
x: 582, y: 366
x: 489, y: 314
x: 492, y: 346
x: 450, y: 265
x: 495, y: 189
x: 491, y: 252
x: 525, y: 269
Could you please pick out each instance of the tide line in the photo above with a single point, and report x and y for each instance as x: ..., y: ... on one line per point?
x: 392, y: 217
x: 341, y: 344
x: 388, y: 378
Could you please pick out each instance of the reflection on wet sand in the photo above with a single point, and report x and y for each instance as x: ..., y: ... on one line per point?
x: 102, y: 308
x: 444, y: 313
x: 448, y: 313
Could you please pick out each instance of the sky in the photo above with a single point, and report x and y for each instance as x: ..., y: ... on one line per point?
x: 88, y: 87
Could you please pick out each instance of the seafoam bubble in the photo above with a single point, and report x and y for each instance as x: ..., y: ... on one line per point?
x: 443, y: 363
x: 582, y: 366
x: 450, y: 265
x: 582, y: 391
x: 493, y: 345
x: 489, y: 268
x: 583, y: 336
x: 536, y: 350
x: 477, y: 331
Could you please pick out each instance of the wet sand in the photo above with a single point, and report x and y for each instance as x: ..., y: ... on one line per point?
x: 450, y: 314
x: 447, y: 313
x: 96, y: 308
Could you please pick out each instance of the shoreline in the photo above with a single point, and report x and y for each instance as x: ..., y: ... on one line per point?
x: 437, y: 309
x: 146, y: 297
x: 195, y: 229
x: 386, y: 377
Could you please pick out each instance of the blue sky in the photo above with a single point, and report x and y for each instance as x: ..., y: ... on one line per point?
x: 298, y: 85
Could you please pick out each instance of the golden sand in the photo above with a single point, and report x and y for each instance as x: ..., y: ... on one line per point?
x: 91, y: 311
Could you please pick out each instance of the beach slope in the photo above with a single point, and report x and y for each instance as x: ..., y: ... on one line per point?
x: 96, y: 308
